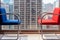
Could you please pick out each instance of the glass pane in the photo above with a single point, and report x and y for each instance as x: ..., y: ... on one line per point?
x: 29, y: 10
x: 48, y: 6
x: 8, y: 5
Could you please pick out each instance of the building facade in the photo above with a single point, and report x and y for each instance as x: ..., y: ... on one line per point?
x: 28, y: 11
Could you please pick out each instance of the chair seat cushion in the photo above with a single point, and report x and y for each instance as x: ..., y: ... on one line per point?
x: 46, y: 21
x: 11, y: 22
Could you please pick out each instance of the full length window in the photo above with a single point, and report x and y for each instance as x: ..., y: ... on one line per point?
x: 29, y: 11
x: 47, y: 7
x: 9, y: 7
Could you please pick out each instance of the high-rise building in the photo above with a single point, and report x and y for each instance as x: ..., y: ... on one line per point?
x: 29, y: 11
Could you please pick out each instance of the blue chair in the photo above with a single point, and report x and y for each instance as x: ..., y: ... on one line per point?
x: 5, y: 21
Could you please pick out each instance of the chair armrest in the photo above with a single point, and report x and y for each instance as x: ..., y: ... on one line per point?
x: 12, y: 14
x: 43, y: 13
x: 49, y: 14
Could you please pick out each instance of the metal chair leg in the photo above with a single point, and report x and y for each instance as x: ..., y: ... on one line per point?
x: 41, y: 32
x: 18, y: 33
x: 41, y: 28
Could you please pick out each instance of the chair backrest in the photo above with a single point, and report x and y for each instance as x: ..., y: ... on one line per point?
x: 0, y: 17
x: 56, y: 17
x: 3, y: 11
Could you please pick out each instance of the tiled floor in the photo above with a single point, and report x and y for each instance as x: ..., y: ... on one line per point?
x: 30, y: 37
x: 51, y: 37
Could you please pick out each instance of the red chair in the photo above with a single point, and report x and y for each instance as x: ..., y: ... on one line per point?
x: 55, y: 19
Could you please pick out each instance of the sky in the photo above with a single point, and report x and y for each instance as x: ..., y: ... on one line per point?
x: 44, y: 1
x: 7, y: 1
x: 48, y: 1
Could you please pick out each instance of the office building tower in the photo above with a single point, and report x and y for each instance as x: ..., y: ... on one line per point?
x: 28, y: 11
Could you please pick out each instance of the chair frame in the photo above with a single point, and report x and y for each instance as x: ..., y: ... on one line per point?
x: 18, y: 20
x: 43, y: 24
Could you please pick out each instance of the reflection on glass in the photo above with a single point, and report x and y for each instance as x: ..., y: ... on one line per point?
x: 8, y: 5
x: 48, y: 6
